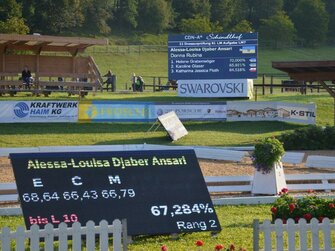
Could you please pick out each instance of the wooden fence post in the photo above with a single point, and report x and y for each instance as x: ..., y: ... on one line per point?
x: 271, y: 85
x: 263, y: 83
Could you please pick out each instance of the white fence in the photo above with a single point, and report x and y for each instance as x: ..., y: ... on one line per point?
x: 216, y: 185
x: 295, y: 182
x: 312, y: 236
x: 64, y: 234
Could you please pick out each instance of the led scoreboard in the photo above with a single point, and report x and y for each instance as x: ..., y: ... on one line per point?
x: 213, y: 56
x: 158, y: 192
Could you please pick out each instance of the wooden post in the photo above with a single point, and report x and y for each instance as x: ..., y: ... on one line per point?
x: 271, y: 85
x: 263, y: 82
x: 154, y: 84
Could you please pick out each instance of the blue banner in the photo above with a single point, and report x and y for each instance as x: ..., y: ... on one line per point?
x: 213, y: 56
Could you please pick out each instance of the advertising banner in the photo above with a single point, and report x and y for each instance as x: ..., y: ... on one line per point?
x: 38, y: 111
x: 298, y: 113
x: 104, y: 111
x: 109, y: 111
x: 271, y: 111
x: 193, y: 111
x: 173, y: 125
x: 236, y: 88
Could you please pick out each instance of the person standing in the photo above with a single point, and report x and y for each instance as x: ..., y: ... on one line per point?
x: 133, y: 82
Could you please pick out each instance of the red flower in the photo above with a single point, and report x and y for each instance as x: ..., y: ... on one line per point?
x: 331, y: 205
x: 310, y: 191
x: 307, y: 216
x: 284, y: 190
x: 291, y: 207
x: 274, y: 210
x: 164, y: 248
x: 296, y: 219
x: 218, y: 247
x: 231, y: 247
x: 199, y: 243
x: 321, y: 219
x: 284, y: 221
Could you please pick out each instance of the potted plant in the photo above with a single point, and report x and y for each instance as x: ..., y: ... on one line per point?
x: 269, y: 175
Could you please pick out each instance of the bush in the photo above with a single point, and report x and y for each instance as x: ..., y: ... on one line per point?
x: 307, y: 207
x: 267, y: 152
x: 309, y: 138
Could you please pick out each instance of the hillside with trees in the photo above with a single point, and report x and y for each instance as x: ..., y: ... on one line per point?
x: 279, y: 22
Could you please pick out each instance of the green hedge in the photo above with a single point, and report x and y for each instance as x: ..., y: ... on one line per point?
x: 309, y: 138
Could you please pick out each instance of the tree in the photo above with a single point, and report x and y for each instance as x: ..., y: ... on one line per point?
x: 97, y: 16
x: 9, y: 9
x: 57, y: 16
x: 289, y: 6
x: 11, y: 20
x: 262, y: 9
x: 223, y: 11
x: 28, y: 11
x: 126, y: 14
x: 278, y: 29
x: 243, y: 26
x: 154, y: 15
x: 14, y: 25
x: 186, y: 9
x: 311, y: 21
x: 199, y: 24
x: 330, y: 7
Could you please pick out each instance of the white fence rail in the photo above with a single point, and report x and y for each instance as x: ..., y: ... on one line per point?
x: 78, y: 237
x: 216, y: 185
x: 308, y: 235
x: 317, y: 161
x: 295, y: 182
x: 227, y: 184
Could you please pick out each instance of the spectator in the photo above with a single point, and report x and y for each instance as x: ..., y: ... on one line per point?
x: 110, y: 81
x: 133, y: 81
x: 139, y: 84
x: 26, y: 77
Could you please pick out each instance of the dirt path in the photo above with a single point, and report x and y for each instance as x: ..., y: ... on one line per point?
x: 208, y: 167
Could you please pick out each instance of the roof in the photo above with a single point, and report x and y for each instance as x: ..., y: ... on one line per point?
x: 308, y: 70
x: 48, y: 43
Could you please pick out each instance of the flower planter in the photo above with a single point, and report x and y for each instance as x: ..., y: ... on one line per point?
x: 270, y: 183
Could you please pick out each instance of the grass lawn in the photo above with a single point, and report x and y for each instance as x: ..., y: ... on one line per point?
x: 236, y: 223
x: 200, y: 133
x: 156, y: 63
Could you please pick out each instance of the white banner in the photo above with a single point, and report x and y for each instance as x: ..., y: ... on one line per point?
x: 227, y: 88
x: 173, y: 125
x: 271, y: 111
x: 38, y: 111
x: 192, y: 111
